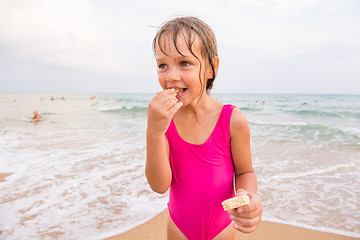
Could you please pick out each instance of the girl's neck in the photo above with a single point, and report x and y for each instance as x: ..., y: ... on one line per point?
x: 200, y: 106
x: 195, y: 122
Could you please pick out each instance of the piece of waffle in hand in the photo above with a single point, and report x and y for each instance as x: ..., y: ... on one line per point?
x: 235, y: 202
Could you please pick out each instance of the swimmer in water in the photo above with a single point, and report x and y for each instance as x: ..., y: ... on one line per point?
x: 36, y: 117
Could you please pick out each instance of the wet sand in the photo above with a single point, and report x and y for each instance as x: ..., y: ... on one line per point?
x: 3, y: 176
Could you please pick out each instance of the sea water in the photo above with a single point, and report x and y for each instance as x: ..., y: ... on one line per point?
x: 79, y: 172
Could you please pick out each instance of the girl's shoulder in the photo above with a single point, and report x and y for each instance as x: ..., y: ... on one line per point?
x: 238, y: 123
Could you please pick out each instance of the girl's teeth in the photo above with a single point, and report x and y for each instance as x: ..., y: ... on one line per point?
x: 178, y: 91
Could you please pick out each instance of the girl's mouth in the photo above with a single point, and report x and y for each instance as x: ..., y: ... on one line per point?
x: 179, y: 92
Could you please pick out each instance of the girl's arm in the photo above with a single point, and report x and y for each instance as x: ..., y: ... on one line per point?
x: 161, y: 109
x: 245, y: 177
x: 248, y: 217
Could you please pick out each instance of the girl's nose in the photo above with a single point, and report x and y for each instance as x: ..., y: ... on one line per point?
x: 173, y: 74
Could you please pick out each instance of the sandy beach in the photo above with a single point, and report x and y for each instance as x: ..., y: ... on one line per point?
x: 155, y: 229
x: 3, y: 176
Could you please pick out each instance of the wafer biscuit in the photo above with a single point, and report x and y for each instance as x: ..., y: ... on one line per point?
x: 235, y: 202
x: 176, y: 91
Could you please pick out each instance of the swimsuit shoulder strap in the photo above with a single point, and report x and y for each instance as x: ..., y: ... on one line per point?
x: 222, y: 130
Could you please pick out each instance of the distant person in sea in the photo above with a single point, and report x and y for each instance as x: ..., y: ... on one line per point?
x: 36, y: 117
x: 196, y: 144
x: 52, y: 98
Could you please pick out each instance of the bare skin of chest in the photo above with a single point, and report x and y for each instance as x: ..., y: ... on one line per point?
x: 197, y: 131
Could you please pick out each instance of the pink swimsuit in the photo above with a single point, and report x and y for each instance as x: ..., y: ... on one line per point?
x: 202, y: 178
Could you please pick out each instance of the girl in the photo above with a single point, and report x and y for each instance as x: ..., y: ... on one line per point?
x: 195, y: 144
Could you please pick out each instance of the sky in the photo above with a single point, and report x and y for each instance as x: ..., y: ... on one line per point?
x: 265, y: 46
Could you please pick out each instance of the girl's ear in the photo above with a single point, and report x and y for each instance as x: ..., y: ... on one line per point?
x: 216, y: 65
x: 209, y: 72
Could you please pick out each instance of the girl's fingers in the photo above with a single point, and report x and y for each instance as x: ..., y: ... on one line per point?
x: 161, y: 110
x: 244, y: 212
x: 175, y: 108
x: 164, y: 94
x: 246, y: 222
x: 244, y: 229
x: 171, y: 103
x: 249, y: 211
x: 247, y: 218
x: 166, y: 99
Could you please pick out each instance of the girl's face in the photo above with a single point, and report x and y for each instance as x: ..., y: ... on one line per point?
x: 181, y: 71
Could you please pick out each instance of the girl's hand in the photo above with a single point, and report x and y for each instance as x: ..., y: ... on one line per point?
x: 248, y: 217
x: 161, y: 110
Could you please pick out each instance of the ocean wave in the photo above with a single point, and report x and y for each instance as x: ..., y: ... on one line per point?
x: 48, y: 113
x: 319, y: 113
x: 310, y: 172
x: 117, y: 109
x: 250, y: 109
x: 303, y: 131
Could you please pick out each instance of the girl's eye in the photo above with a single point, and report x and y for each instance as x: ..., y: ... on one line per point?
x: 162, y: 66
x: 184, y: 64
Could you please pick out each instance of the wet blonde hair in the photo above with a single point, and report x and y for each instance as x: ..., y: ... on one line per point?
x: 190, y: 28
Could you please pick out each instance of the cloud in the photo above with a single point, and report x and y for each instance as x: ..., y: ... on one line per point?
x: 107, y: 44
x: 58, y: 33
